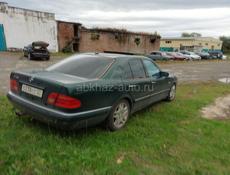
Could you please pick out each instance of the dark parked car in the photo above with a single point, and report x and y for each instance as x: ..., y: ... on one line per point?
x: 159, y: 56
x: 88, y: 89
x: 37, y: 50
x: 216, y: 54
x: 204, y: 55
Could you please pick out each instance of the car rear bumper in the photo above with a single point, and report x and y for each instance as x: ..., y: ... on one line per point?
x: 40, y: 55
x: 57, y: 118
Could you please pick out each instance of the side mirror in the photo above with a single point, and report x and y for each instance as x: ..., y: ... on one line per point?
x: 164, y: 74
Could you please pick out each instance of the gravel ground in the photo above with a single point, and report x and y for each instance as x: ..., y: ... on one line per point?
x: 185, y: 71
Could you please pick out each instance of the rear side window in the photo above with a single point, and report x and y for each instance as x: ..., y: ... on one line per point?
x: 122, y: 71
x: 127, y: 73
x: 83, y: 66
x: 137, y: 69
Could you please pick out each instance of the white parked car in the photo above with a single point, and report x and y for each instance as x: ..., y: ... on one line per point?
x: 224, y: 57
x: 191, y: 55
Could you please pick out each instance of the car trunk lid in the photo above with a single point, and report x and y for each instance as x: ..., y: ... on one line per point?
x: 37, y: 85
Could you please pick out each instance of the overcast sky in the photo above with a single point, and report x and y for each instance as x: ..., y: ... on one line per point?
x: 167, y: 17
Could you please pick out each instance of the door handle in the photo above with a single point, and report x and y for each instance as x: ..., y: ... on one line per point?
x: 153, y: 82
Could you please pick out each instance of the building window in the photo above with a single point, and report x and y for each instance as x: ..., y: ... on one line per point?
x: 206, y: 44
x: 168, y: 42
x: 200, y: 44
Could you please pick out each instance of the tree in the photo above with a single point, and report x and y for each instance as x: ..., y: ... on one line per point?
x: 226, y: 43
x: 194, y: 34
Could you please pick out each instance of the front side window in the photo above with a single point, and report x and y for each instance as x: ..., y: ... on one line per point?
x: 152, y: 69
x: 137, y: 69
x: 82, y: 66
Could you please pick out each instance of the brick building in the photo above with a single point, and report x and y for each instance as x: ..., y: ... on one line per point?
x: 74, y: 37
x: 68, y: 36
x: 20, y: 27
x: 114, y: 40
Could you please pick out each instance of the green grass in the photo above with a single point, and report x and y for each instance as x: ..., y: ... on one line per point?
x: 167, y: 138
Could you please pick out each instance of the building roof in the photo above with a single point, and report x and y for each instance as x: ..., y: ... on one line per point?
x: 24, y: 9
x: 123, y: 31
x: 69, y: 22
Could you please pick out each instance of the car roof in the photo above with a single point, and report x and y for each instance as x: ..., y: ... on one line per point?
x: 116, y: 56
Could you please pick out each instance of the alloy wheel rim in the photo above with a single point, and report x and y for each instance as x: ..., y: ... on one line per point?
x: 173, y: 92
x: 120, y: 115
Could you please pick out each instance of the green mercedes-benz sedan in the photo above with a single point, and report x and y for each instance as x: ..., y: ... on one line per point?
x: 88, y: 89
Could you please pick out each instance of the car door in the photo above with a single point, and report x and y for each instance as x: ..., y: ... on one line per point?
x: 159, y: 82
x: 135, y: 81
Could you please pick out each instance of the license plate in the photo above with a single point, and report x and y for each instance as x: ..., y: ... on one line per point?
x: 32, y: 91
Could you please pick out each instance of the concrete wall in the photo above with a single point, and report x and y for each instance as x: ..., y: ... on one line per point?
x: 22, y: 27
x: 209, y: 43
x: 107, y: 41
x: 206, y: 43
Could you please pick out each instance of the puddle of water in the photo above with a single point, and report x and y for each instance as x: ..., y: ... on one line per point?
x: 225, y: 80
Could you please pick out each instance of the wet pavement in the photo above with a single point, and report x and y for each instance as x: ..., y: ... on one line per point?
x: 185, y: 71
x: 199, y: 70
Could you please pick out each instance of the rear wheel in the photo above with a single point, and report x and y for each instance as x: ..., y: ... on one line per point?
x: 118, y: 116
x: 172, y: 93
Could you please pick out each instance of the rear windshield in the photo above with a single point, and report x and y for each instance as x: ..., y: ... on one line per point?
x: 82, y: 66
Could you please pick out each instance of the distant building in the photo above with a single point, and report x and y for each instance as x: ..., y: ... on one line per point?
x: 116, y: 40
x: 190, y: 43
x: 74, y: 37
x: 68, y: 36
x: 20, y: 27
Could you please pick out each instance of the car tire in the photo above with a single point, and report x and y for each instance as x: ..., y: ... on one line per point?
x: 119, y: 115
x: 172, y: 93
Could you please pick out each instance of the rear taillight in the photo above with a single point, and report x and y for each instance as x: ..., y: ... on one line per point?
x: 14, y: 87
x: 63, y: 101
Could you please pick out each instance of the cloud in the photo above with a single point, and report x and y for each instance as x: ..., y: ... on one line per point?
x: 168, y: 17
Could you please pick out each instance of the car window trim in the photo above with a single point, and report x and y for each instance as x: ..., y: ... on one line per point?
x: 106, y: 70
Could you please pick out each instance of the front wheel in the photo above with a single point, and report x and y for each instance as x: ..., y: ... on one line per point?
x: 118, y: 116
x: 172, y: 93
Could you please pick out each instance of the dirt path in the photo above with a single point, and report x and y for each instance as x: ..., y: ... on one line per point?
x: 220, y: 110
